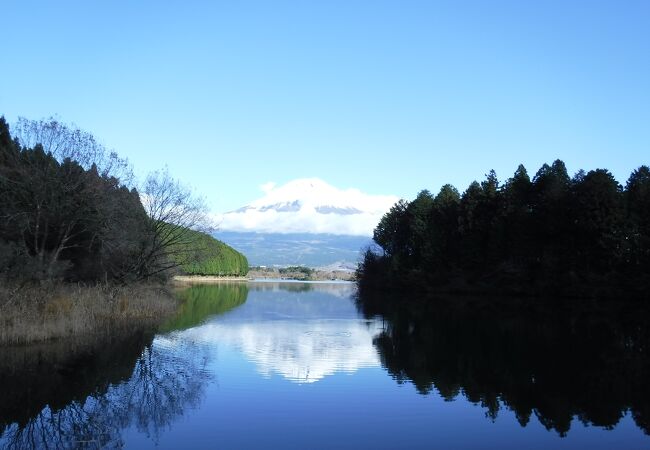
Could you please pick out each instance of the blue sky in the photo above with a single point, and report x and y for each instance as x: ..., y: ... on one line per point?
x: 386, y: 97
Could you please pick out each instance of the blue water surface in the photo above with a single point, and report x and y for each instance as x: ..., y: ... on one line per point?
x: 283, y: 365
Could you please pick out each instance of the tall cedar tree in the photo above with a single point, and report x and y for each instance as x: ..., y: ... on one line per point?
x: 585, y: 235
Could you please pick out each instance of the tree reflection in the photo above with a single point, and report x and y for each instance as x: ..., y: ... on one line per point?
x: 277, y: 286
x: 201, y: 301
x: 557, y: 366
x: 110, y: 392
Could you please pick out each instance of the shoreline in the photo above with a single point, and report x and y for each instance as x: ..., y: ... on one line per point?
x: 315, y: 275
x: 205, y: 279
x: 293, y: 280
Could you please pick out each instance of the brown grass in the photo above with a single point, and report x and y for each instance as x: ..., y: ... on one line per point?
x: 51, y: 311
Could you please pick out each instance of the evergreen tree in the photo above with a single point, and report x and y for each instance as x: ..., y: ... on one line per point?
x: 552, y: 235
x: 637, y: 200
x: 443, y: 229
x: 597, y: 213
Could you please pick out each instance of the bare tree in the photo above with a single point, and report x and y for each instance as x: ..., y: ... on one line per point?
x: 175, y: 214
x: 70, y: 142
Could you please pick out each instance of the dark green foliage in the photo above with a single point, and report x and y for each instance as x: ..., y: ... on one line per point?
x: 637, y: 203
x: 391, y: 232
x: 58, y: 219
x: 554, y: 234
x: 62, y: 216
x: 204, y: 255
x: 598, y: 218
x: 443, y: 241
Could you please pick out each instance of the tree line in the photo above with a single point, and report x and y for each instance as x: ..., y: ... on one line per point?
x: 70, y: 210
x: 554, y: 234
x: 209, y: 256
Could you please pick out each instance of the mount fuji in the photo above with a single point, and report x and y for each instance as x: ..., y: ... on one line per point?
x: 309, y: 205
x: 305, y: 221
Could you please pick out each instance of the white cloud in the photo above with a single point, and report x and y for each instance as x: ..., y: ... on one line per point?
x: 302, y: 352
x: 309, y: 205
x: 267, y: 187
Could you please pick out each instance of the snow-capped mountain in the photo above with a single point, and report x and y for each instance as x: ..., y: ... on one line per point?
x: 309, y: 205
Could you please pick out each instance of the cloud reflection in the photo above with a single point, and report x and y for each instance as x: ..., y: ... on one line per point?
x: 302, y: 352
x: 303, y: 338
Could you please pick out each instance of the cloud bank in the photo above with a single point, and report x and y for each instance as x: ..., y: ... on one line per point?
x: 309, y: 205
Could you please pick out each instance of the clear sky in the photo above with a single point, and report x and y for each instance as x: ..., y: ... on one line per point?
x: 386, y: 97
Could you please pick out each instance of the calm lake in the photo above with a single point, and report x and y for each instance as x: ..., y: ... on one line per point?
x: 306, y: 365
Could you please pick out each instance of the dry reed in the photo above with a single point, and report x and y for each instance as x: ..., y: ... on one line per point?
x: 57, y: 310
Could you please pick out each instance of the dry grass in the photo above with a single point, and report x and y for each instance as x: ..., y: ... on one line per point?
x: 51, y: 311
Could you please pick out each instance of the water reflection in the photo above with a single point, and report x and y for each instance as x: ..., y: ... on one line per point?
x: 557, y: 366
x: 239, y: 357
x: 341, y: 289
x: 200, y: 301
x: 303, y: 337
x: 84, y: 394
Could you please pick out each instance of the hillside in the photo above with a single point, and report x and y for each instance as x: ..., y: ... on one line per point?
x: 206, y: 255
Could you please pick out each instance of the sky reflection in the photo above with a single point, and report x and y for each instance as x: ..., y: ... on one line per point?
x: 304, y: 337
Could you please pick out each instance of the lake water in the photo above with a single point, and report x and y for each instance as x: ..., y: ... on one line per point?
x: 296, y: 365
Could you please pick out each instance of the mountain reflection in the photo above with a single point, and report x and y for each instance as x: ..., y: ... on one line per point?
x: 303, y: 337
x: 84, y: 393
x: 337, y: 289
x: 76, y: 395
x: 303, y: 352
x: 557, y: 366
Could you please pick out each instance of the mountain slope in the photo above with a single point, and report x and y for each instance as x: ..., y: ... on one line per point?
x: 285, y: 249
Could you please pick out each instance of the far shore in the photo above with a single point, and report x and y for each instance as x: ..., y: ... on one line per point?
x: 205, y: 279
x: 271, y: 274
x: 314, y: 275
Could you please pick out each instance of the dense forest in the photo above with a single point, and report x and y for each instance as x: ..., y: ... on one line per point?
x: 70, y: 210
x: 584, y: 235
x: 209, y: 256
